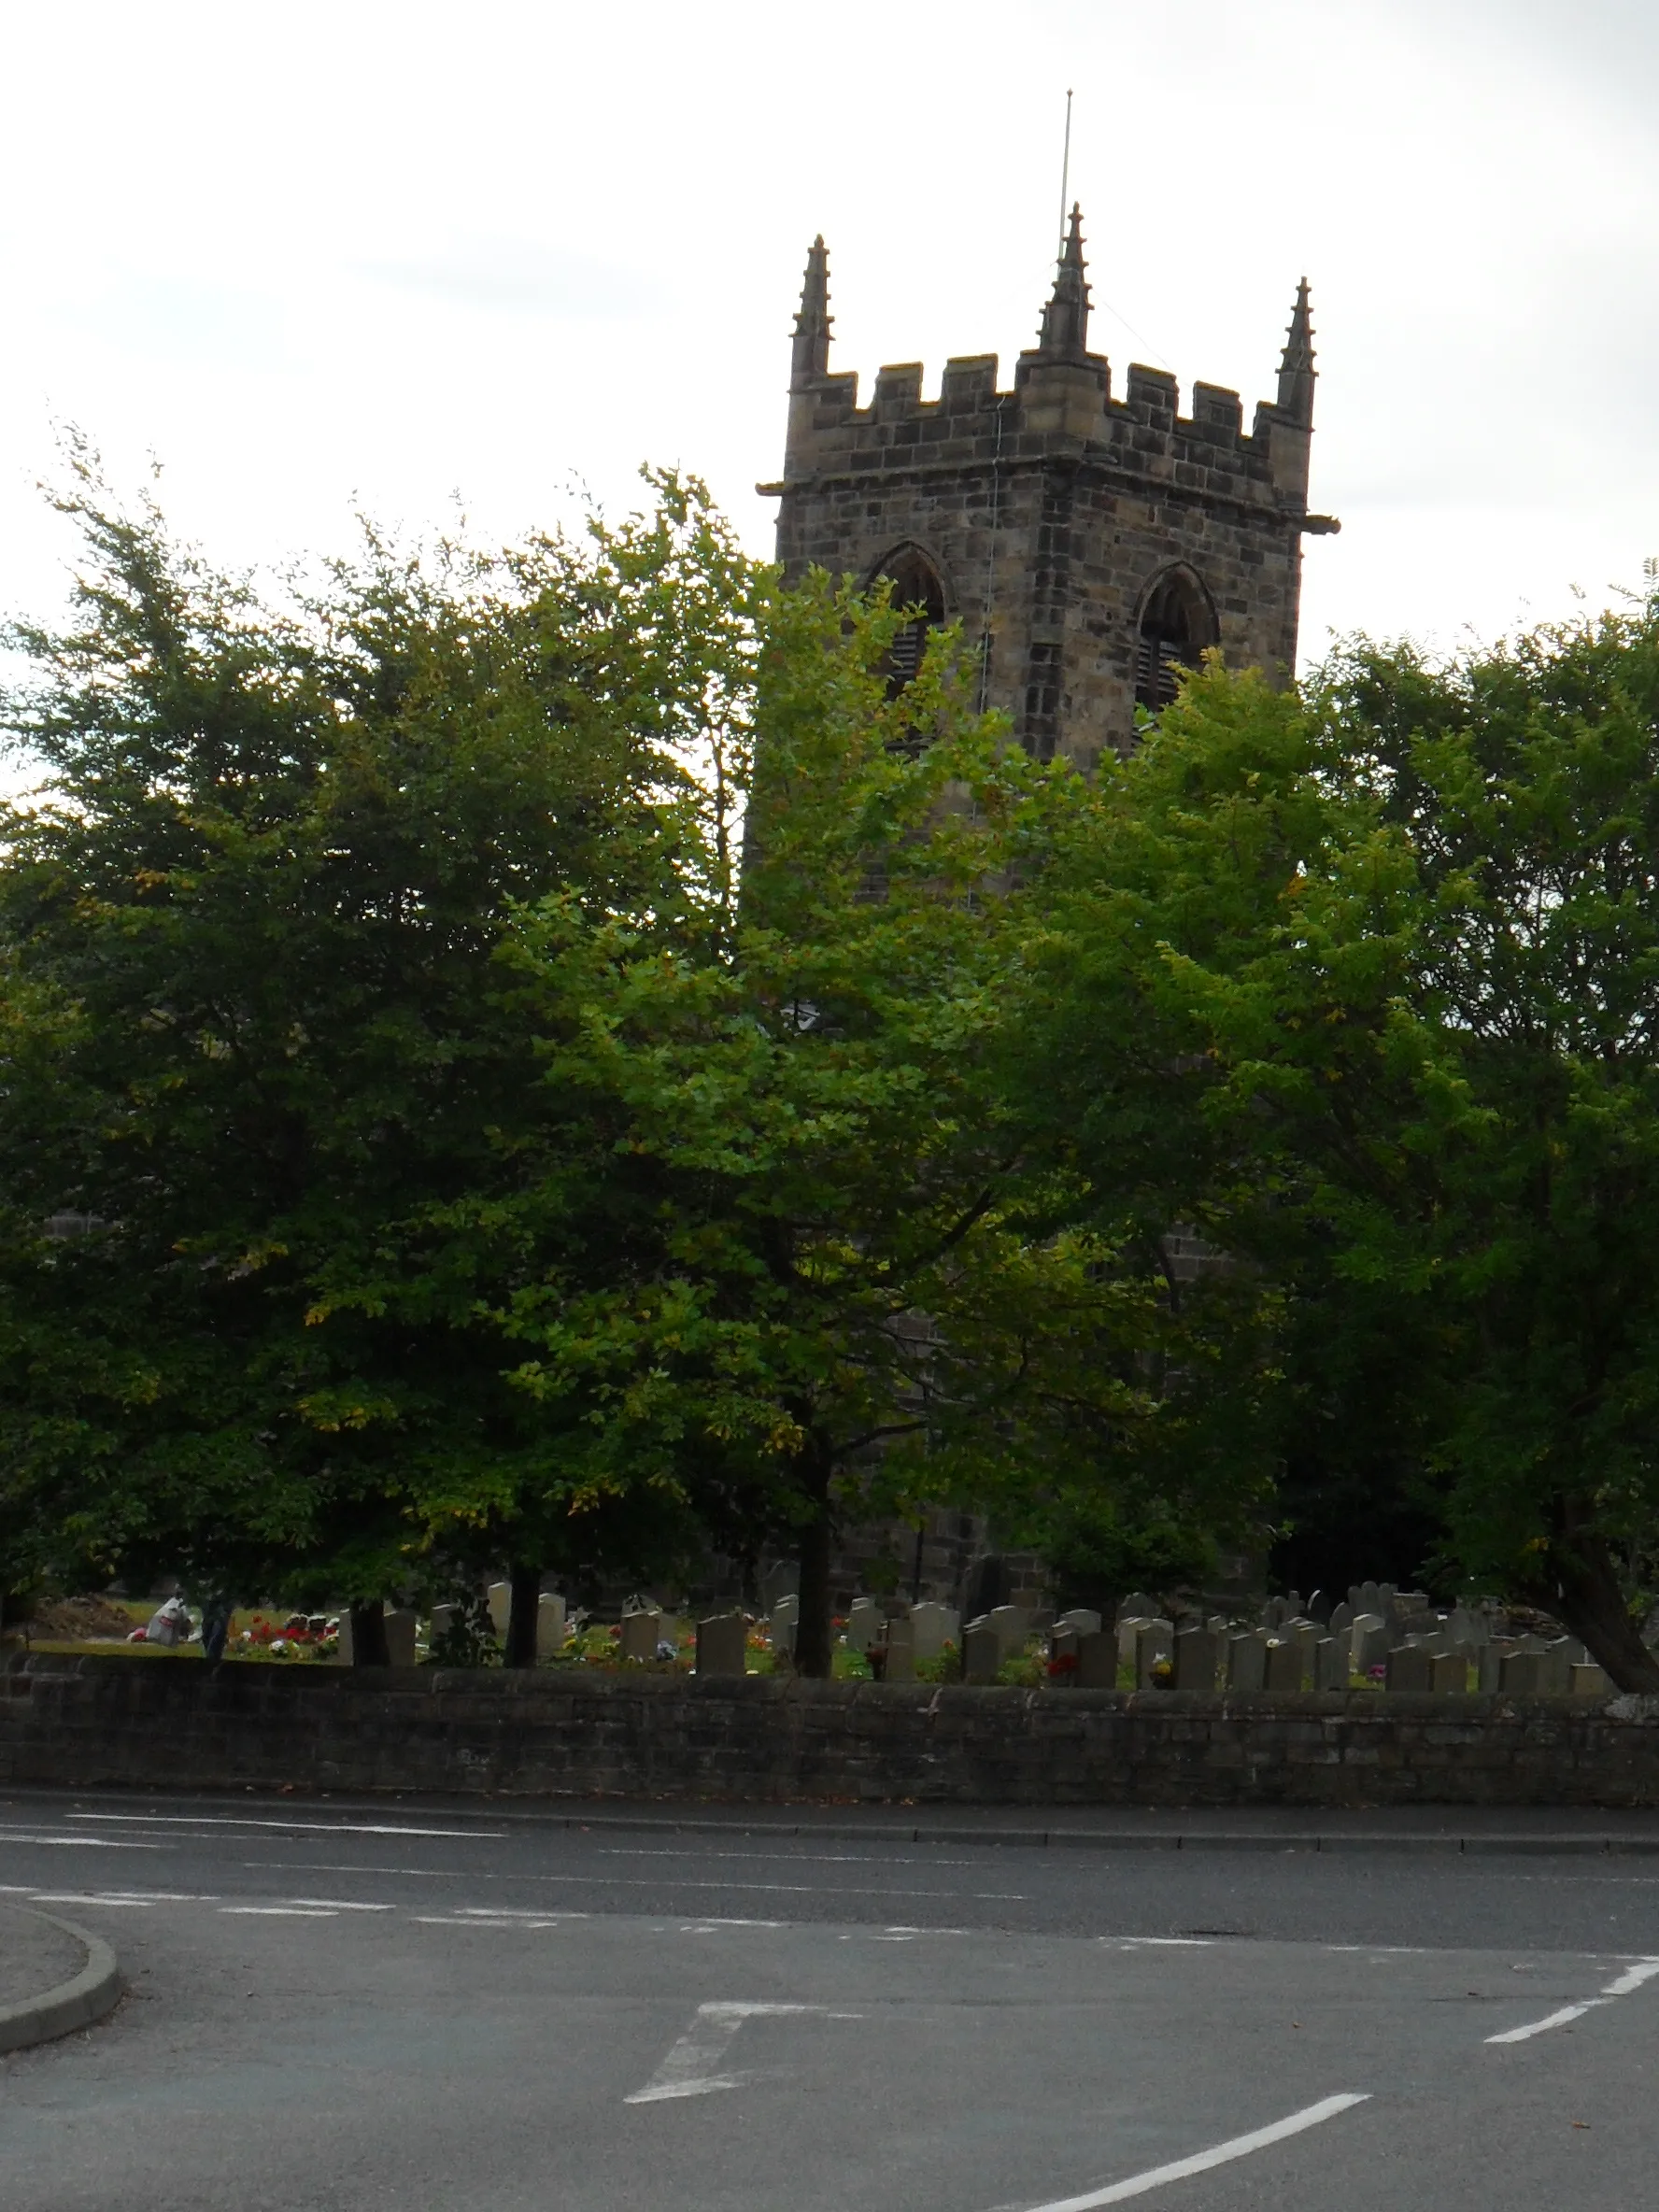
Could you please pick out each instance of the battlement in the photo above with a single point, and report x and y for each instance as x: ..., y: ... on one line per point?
x: 1053, y: 407
x: 1089, y: 536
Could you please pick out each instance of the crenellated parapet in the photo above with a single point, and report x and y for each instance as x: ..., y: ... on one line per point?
x: 1061, y: 518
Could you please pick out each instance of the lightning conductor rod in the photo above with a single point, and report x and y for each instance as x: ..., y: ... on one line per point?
x: 1065, y: 176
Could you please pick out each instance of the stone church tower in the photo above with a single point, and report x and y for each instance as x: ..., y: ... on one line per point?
x: 1086, y: 543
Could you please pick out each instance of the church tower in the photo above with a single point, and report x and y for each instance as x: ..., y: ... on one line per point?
x: 1088, y: 543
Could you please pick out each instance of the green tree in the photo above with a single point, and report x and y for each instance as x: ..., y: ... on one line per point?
x: 269, y: 1089
x: 875, y: 1291
x: 1384, y: 963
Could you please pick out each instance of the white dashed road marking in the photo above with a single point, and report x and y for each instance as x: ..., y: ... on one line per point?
x: 691, y: 2067
x: 1627, y: 1983
x: 1221, y: 2154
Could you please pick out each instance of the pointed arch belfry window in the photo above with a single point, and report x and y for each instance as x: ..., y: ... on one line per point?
x: 1176, y: 627
x: 916, y: 584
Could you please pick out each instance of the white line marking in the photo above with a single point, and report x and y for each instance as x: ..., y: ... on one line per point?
x: 689, y: 2068
x: 85, y: 1843
x: 1626, y: 1984
x: 212, y: 1821
x: 1223, y: 2153
x: 515, y: 1912
x: 1163, y: 1942
x: 82, y: 1897
x: 443, y: 1920
x: 340, y: 1905
x: 278, y: 1912
x: 707, y: 1927
x: 1553, y: 2020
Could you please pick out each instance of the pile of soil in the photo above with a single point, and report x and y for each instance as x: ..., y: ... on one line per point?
x: 69, y: 1619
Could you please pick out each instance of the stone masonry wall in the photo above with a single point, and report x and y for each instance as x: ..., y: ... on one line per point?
x: 177, y: 1724
x: 1049, y: 513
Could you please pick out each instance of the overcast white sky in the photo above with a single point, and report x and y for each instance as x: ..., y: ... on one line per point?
x: 314, y: 252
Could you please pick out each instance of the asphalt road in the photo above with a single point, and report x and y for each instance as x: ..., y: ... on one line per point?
x: 338, y: 2007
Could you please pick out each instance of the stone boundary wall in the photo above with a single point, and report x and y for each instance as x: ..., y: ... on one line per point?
x: 178, y: 1724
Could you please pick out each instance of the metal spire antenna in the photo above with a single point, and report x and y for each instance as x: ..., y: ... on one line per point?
x: 1065, y: 177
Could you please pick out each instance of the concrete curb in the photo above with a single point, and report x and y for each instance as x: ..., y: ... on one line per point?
x: 77, y: 2002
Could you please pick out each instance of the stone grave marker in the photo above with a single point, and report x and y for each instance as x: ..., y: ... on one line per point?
x: 1285, y: 1667
x: 401, y: 1624
x: 639, y: 1632
x: 934, y: 1627
x: 1082, y: 1619
x: 1590, y: 1680
x: 1319, y: 1609
x: 1154, y: 1643
x: 1247, y: 1661
x: 1409, y: 1669
x: 1330, y: 1662
x: 1494, y: 1651
x: 982, y: 1651
x: 1556, y: 1674
x: 1129, y: 1628
x: 898, y: 1646
x: 1197, y: 1656
x: 1096, y: 1662
x: 721, y: 1644
x: 1341, y: 1618
x: 863, y: 1624
x: 551, y: 1624
x: 1369, y: 1642
x: 1012, y: 1624
x: 784, y: 1622
x: 1448, y: 1673
x: 499, y: 1597
x: 442, y: 1621
x: 1521, y: 1674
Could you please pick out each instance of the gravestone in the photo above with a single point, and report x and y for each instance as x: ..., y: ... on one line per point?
x: 784, y: 1622
x: 1341, y: 1618
x: 1080, y: 1618
x: 1096, y: 1662
x: 721, y: 1644
x: 1012, y: 1624
x: 1369, y: 1642
x: 1448, y: 1673
x: 400, y: 1625
x: 1274, y: 1610
x: 1409, y: 1669
x: 442, y: 1621
x: 782, y: 1579
x: 934, y: 1627
x: 639, y: 1632
x: 863, y: 1624
x: 1129, y: 1628
x: 499, y: 1596
x: 1247, y: 1661
x: 1493, y: 1654
x: 898, y: 1648
x: 1556, y: 1673
x: 1319, y: 1609
x: 981, y: 1652
x: 1137, y: 1603
x: 1330, y: 1662
x: 1285, y: 1667
x: 1590, y: 1680
x: 1198, y: 1654
x: 551, y: 1624
x: 1521, y: 1674
x: 1307, y: 1636
x: 1153, y: 1645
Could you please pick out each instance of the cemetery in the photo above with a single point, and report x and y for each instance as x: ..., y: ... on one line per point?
x: 1377, y: 1698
